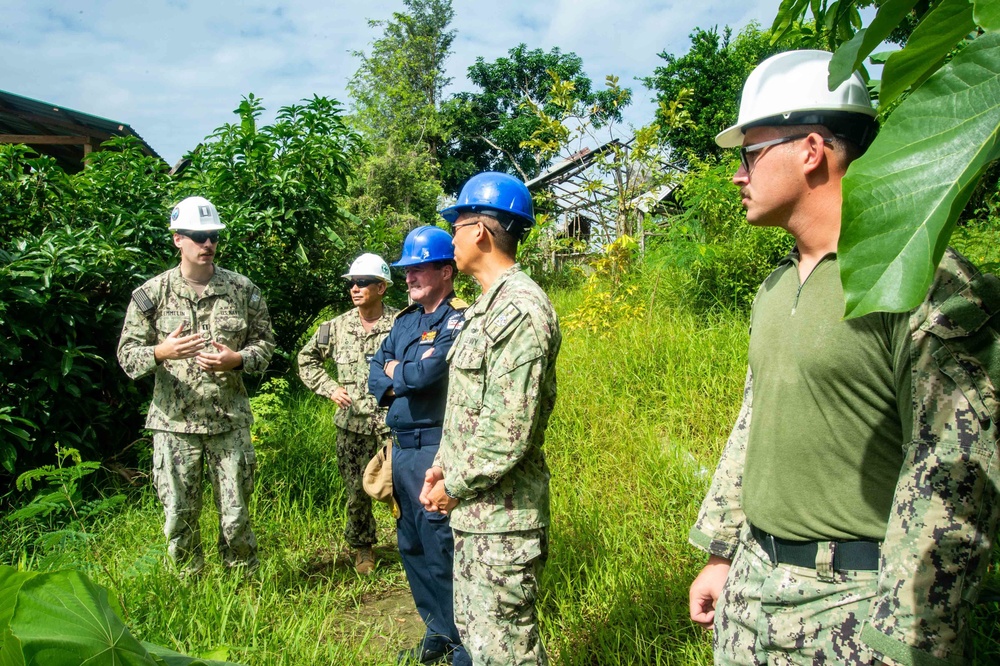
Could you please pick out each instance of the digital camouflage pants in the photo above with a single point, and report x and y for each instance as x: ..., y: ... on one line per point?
x: 496, y: 585
x: 354, y: 450
x: 788, y: 615
x: 178, y: 463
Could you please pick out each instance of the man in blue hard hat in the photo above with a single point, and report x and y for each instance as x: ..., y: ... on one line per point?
x: 490, y: 474
x: 409, y: 375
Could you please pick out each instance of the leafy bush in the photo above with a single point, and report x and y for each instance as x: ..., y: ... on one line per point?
x: 611, y: 293
x: 280, y: 190
x: 725, y: 257
x: 73, y: 249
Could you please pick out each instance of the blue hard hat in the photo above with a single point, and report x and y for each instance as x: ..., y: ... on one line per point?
x: 424, y: 245
x: 494, y: 192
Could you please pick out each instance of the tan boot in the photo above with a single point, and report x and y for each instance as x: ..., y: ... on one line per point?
x: 364, y: 561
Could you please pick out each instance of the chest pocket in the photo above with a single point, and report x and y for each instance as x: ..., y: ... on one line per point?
x: 347, y: 369
x: 469, y: 379
x: 167, y: 324
x: 231, y: 331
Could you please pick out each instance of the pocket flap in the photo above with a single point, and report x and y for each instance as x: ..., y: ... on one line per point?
x: 966, y: 311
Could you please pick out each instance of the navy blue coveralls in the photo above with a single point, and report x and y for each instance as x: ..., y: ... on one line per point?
x: 416, y: 413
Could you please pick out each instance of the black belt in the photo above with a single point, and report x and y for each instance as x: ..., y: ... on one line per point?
x: 847, y: 555
x: 416, y: 438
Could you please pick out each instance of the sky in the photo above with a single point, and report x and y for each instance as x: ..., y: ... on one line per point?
x: 174, y: 70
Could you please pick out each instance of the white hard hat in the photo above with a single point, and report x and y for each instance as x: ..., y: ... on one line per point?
x: 785, y: 88
x: 195, y: 214
x: 369, y: 265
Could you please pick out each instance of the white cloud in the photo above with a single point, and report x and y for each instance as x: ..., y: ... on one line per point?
x: 175, y: 69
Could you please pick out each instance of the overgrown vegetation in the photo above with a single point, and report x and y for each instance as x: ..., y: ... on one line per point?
x: 651, y: 368
x: 623, y: 498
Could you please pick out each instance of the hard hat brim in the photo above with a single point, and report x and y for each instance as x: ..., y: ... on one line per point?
x: 351, y: 276
x: 203, y: 227
x: 413, y: 261
x: 731, y: 137
x: 451, y: 213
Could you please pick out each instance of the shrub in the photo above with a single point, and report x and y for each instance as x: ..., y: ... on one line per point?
x: 74, y: 248
x: 725, y: 257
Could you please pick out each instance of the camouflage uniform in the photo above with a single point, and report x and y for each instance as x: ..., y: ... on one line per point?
x: 200, y: 416
x: 361, y: 428
x: 940, y: 529
x: 501, y: 392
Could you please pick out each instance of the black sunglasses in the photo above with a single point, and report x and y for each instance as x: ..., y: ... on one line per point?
x: 199, y: 237
x: 362, y: 282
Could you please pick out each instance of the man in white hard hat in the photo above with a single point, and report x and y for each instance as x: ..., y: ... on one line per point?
x: 197, y: 328
x: 852, y: 514
x: 351, y: 340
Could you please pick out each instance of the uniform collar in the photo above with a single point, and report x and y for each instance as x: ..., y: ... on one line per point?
x: 381, y: 325
x: 793, y: 257
x: 217, y: 285
x: 482, y: 304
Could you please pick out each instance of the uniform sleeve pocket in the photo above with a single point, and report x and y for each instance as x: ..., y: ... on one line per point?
x: 972, y: 373
x: 965, y: 326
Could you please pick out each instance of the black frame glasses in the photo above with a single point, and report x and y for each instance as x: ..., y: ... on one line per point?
x: 199, y: 237
x: 746, y: 151
x: 362, y: 282
x: 456, y: 227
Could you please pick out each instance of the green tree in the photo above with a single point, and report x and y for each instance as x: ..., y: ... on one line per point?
x: 713, y: 70
x: 397, y: 88
x: 488, y: 127
x: 939, y: 99
x: 396, y: 96
x: 72, y: 250
x: 281, y: 191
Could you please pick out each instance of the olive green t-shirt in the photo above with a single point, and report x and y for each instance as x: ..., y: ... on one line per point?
x: 831, y: 410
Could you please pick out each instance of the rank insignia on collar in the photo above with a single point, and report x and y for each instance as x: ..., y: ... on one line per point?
x: 427, y: 337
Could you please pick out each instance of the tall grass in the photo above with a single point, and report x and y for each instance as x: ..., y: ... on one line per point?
x: 641, y: 415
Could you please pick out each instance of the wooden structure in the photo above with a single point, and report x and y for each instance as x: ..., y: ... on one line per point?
x: 64, y: 134
x: 597, y: 195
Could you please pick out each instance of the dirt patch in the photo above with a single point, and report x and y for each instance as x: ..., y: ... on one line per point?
x: 384, y: 619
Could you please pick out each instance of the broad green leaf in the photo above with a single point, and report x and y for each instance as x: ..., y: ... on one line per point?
x: 10, y: 582
x: 300, y: 253
x: 64, y: 618
x: 932, y: 40
x: 987, y: 14
x: 67, y: 363
x: 788, y: 13
x: 880, y: 57
x: 8, y: 454
x: 901, y: 199
x: 851, y: 55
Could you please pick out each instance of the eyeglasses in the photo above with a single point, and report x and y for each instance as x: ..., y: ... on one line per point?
x: 362, y: 283
x: 199, y: 237
x: 456, y: 227
x: 747, y: 151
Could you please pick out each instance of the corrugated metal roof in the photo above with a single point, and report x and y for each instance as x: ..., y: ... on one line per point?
x: 21, y: 115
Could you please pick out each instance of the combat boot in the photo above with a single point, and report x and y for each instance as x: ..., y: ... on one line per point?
x: 364, y: 561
